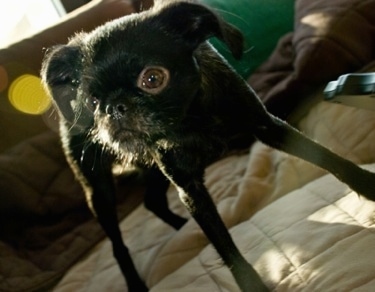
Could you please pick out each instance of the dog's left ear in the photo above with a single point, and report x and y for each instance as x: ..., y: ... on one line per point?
x: 195, y: 23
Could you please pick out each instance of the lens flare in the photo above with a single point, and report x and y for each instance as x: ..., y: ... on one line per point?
x: 27, y: 95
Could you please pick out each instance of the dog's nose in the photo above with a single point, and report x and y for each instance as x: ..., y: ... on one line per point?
x: 116, y: 111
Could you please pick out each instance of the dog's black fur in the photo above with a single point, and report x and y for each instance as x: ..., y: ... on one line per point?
x: 148, y: 90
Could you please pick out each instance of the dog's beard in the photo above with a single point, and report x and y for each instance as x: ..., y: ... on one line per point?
x: 130, y: 143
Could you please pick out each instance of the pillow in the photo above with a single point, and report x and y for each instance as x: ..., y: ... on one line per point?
x: 262, y: 22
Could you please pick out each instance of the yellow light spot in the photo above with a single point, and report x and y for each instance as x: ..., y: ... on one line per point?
x: 27, y: 95
x: 3, y: 79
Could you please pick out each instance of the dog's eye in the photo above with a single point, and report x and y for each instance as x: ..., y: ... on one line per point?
x: 92, y: 103
x: 153, y: 79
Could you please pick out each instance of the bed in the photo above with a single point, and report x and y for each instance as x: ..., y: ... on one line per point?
x: 300, y: 227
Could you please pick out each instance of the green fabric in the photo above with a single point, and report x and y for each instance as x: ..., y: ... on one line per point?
x: 262, y: 22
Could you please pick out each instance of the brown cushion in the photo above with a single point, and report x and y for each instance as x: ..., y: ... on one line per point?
x: 330, y: 38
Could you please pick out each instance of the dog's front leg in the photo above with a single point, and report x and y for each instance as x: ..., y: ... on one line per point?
x: 93, y: 167
x: 199, y: 203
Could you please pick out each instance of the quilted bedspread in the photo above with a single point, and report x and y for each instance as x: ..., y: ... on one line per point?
x: 312, y: 232
x: 300, y: 227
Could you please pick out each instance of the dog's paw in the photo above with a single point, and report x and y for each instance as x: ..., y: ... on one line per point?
x: 247, y: 278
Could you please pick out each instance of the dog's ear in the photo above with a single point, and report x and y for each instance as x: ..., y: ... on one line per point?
x: 195, y: 23
x: 61, y: 70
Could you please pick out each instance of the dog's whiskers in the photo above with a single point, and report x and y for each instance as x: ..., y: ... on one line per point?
x: 222, y: 11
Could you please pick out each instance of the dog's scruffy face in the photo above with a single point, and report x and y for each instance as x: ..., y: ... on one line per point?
x: 129, y: 86
x: 132, y: 81
x: 138, y: 90
x: 137, y: 82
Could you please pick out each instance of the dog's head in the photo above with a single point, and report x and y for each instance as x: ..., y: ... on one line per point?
x: 135, y: 78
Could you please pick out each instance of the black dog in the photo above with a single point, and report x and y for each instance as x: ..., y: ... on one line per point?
x: 148, y: 90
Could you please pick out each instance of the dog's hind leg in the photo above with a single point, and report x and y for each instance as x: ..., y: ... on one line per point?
x: 278, y: 134
x: 95, y: 172
x: 155, y: 198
